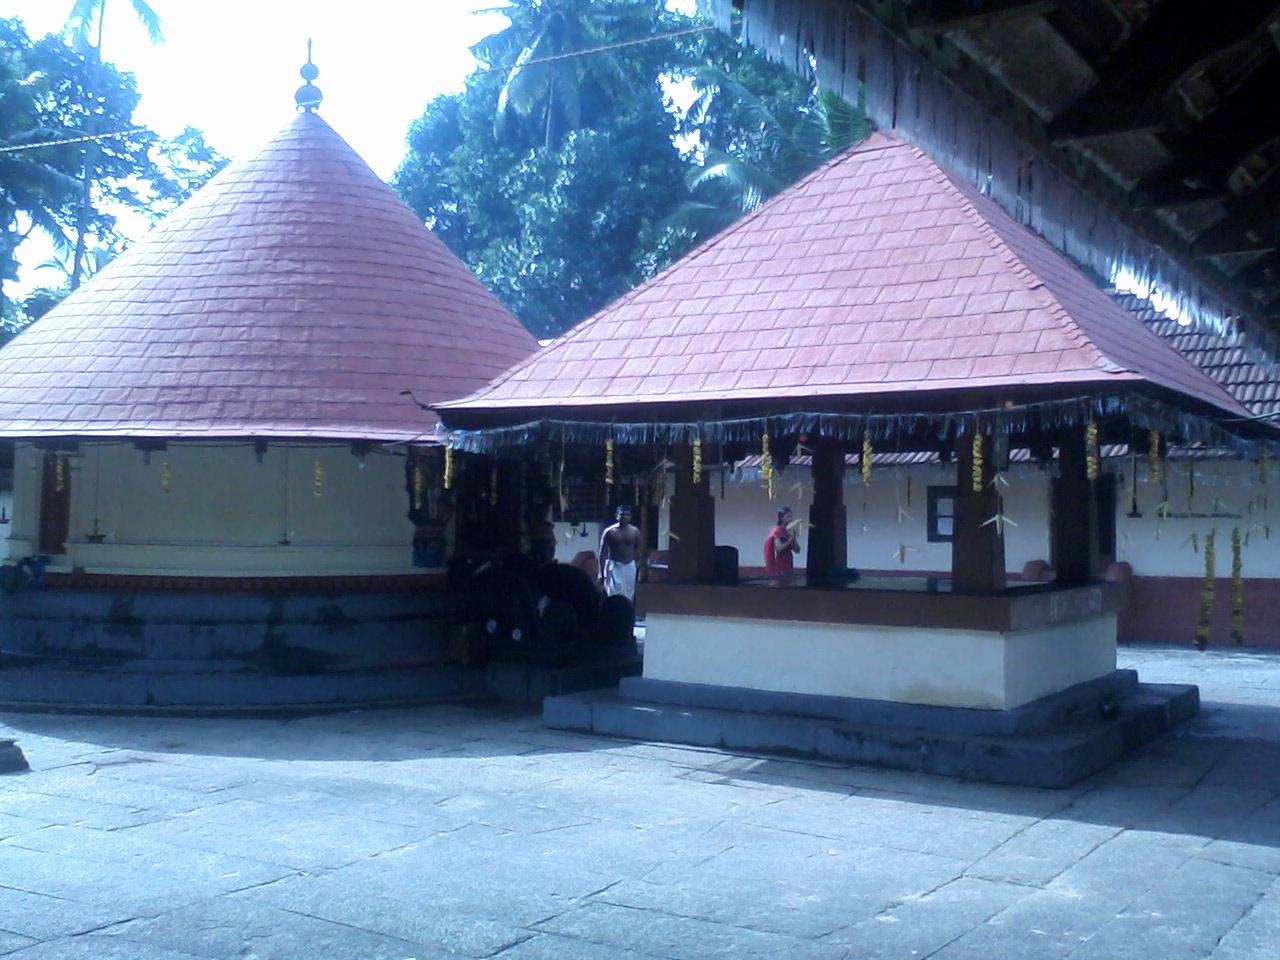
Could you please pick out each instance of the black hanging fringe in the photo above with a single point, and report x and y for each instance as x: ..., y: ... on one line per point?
x: 1142, y: 412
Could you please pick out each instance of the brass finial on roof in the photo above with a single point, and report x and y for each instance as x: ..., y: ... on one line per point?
x: 308, y: 96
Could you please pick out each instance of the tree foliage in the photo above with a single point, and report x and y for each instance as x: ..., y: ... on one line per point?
x: 563, y: 181
x: 51, y: 91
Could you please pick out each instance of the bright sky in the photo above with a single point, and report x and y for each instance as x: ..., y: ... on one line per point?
x: 231, y: 68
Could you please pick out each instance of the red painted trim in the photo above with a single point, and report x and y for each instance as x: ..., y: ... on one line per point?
x: 1167, y: 610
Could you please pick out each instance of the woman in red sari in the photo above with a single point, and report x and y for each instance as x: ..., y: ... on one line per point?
x: 781, y: 546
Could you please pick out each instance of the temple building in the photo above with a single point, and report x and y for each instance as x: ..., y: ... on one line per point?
x: 221, y: 460
x: 877, y: 307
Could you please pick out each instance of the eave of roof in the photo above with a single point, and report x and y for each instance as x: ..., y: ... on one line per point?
x: 876, y: 275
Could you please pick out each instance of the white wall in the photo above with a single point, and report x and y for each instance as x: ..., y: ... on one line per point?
x: 1154, y: 547
x: 223, y: 512
x: 876, y: 530
x: 1163, y: 547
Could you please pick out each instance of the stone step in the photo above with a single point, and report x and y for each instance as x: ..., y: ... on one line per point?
x: 1052, y: 758
x: 34, y: 688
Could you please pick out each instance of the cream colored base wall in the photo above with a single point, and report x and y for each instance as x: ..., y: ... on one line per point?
x: 954, y: 668
x: 212, y: 509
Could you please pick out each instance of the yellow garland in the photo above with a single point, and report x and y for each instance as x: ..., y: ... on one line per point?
x: 493, y: 484
x: 317, y: 478
x: 419, y: 482
x: 59, y: 473
x: 1237, y: 589
x: 1206, y: 593
x: 1091, y: 451
x: 1153, y: 456
x: 977, y: 462
x: 697, y: 460
x: 867, y: 457
x: 448, y: 466
x: 608, y: 461
x: 766, y: 463
x: 166, y: 476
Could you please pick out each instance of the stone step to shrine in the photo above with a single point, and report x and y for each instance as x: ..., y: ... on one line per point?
x: 1055, y: 757
x: 122, y: 691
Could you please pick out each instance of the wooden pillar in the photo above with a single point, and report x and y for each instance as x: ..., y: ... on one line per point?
x: 977, y: 547
x: 1073, y: 514
x: 692, y: 550
x: 828, y: 535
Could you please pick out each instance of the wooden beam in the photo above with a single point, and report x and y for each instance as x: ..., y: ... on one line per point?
x: 977, y: 544
x: 1205, y: 156
x: 1138, y: 74
x: 828, y: 554
x: 1073, y: 514
x: 940, y: 16
x: 691, y: 553
x: 1250, y: 224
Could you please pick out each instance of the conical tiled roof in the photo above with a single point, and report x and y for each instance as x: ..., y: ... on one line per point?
x: 875, y: 276
x: 293, y: 296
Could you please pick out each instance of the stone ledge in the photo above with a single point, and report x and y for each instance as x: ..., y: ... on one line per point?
x: 11, y: 758
x: 1058, y: 757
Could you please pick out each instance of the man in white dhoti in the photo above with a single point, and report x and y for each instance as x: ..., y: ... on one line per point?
x: 619, y: 545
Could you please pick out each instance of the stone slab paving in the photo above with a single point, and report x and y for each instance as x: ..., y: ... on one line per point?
x: 467, y: 832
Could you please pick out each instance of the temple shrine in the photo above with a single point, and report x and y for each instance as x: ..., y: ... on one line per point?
x: 225, y: 489
x: 877, y: 306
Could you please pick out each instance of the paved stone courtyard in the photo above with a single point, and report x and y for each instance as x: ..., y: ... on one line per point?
x: 473, y: 832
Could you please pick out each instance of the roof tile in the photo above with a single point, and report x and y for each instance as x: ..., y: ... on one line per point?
x: 898, y: 279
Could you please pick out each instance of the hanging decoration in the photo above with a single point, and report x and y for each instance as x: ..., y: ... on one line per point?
x: 866, y: 458
x: 419, y: 482
x: 1153, y: 456
x: 166, y: 476
x: 1091, y: 450
x: 493, y: 484
x: 608, y: 461
x: 1206, y: 593
x: 977, y: 462
x: 448, y: 466
x: 1191, y: 487
x: 1046, y: 416
x: 1263, y: 466
x: 1000, y: 521
x: 317, y: 478
x: 1237, y: 590
x: 766, y: 463
x: 59, y: 473
x: 697, y: 460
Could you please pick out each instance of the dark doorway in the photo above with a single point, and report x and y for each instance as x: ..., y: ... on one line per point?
x: 55, y: 503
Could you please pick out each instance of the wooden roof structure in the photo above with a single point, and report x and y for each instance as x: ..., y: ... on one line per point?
x: 1137, y: 136
x: 294, y: 296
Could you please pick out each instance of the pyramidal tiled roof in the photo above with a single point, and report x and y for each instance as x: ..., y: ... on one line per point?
x: 293, y: 296
x: 875, y: 275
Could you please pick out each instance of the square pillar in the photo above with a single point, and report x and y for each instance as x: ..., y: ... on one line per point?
x: 828, y: 535
x: 977, y: 547
x: 691, y: 553
x: 1073, y: 514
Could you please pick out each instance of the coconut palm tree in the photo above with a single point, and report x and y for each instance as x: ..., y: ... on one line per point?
x: 767, y: 150
x: 554, y: 91
x: 32, y: 185
x: 86, y: 17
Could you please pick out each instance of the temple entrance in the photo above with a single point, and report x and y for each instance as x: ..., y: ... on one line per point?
x: 55, y: 503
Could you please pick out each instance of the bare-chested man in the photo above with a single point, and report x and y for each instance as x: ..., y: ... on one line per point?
x: 618, y: 546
